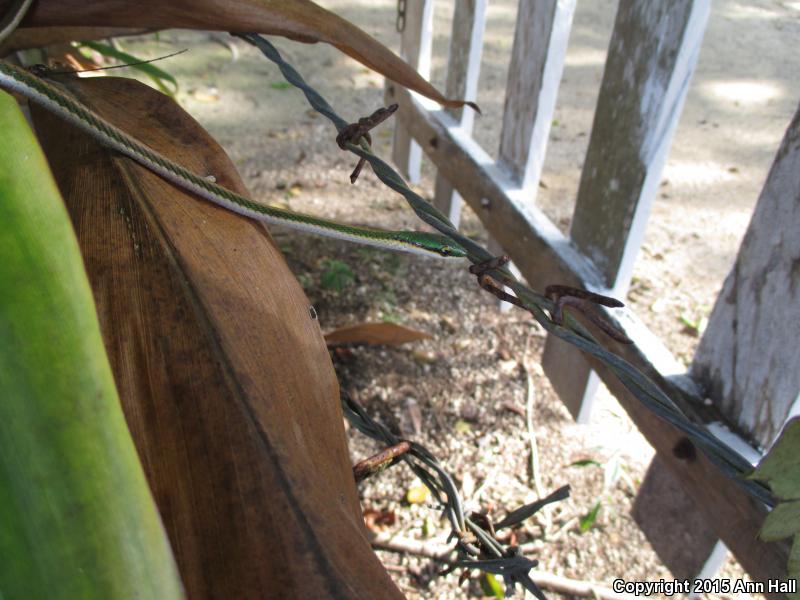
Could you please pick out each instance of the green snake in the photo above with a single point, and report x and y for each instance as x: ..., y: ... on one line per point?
x: 60, y: 103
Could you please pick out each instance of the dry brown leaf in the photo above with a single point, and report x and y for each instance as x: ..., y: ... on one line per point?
x: 64, y: 54
x: 379, y: 520
x: 300, y: 20
x: 37, y: 37
x: 390, y: 334
x: 222, y: 373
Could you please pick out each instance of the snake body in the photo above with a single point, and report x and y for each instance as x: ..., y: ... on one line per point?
x: 56, y: 101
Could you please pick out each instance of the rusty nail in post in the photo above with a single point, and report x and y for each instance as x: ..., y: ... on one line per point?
x: 377, y: 463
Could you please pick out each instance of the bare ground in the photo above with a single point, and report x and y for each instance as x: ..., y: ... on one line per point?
x: 465, y: 379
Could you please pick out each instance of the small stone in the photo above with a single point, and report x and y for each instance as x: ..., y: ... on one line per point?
x: 508, y: 367
x: 425, y: 357
x: 469, y: 412
x: 448, y: 324
x: 462, y: 344
x: 659, y: 306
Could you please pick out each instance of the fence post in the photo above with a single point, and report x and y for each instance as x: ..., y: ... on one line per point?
x: 415, y: 48
x: 463, y: 67
x: 747, y: 359
x: 651, y: 58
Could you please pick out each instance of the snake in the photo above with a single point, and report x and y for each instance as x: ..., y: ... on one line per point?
x: 52, y: 98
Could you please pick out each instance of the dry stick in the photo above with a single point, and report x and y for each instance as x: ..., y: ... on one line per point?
x: 574, y: 587
x: 436, y: 551
x: 555, y: 583
x: 561, y: 531
x: 547, y: 522
x: 535, y: 475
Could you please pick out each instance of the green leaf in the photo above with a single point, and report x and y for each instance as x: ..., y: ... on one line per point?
x: 781, y: 467
x: 280, y: 85
x: 793, y: 568
x: 76, y: 516
x: 585, y: 462
x: 159, y: 76
x: 462, y: 426
x: 611, y: 473
x: 492, y: 587
x: 783, y: 521
x: 392, y: 317
x: 336, y: 276
x: 590, y: 518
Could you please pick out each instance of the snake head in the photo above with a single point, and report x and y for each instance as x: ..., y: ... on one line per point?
x: 452, y: 250
x: 432, y: 244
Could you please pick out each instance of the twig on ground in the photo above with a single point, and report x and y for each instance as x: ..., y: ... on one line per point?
x: 549, y: 581
x: 536, y: 478
x: 574, y: 587
x: 430, y: 549
x: 563, y: 529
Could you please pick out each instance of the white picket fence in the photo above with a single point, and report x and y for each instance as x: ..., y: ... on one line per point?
x: 652, y: 54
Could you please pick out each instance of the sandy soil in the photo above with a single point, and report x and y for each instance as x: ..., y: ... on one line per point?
x: 463, y: 381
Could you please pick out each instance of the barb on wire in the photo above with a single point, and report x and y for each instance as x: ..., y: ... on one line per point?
x: 517, y: 516
x: 542, y: 308
x: 355, y: 131
x: 583, y: 301
x: 380, y: 461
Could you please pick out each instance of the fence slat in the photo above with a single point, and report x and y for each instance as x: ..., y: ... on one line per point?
x: 537, y: 62
x: 544, y: 255
x: 747, y: 357
x: 415, y: 48
x: 651, y: 58
x: 463, y: 67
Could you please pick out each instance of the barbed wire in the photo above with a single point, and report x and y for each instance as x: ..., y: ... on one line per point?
x: 493, y: 556
x: 541, y: 307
